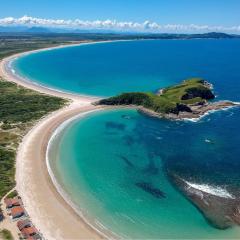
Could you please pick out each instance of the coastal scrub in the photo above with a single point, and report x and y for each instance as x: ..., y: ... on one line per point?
x: 20, y: 109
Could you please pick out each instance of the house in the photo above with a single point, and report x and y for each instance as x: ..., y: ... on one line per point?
x: 24, y: 224
x: 29, y: 232
x: 11, y: 202
x: 17, y: 212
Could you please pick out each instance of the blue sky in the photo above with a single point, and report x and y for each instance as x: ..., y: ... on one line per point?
x: 201, y: 12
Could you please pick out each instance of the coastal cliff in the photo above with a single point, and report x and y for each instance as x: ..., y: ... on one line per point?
x: 189, y: 99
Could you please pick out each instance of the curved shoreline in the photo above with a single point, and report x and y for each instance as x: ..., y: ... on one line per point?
x: 45, y: 205
x: 107, y: 234
x: 7, y: 73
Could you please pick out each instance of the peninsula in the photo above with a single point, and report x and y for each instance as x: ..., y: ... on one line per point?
x: 189, y: 99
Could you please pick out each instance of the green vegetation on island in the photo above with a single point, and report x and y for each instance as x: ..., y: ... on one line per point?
x: 174, y: 99
x: 20, y: 108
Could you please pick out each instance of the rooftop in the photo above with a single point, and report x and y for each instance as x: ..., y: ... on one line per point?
x: 30, y: 231
x: 17, y: 211
x: 23, y: 223
x: 10, y: 202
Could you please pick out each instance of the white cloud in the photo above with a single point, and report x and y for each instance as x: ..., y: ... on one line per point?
x: 146, y: 26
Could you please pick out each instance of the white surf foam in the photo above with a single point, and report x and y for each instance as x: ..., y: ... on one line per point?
x: 210, y: 112
x: 210, y: 189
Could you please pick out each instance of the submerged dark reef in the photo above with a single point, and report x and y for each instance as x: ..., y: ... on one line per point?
x: 205, y: 172
x: 147, y: 187
x: 220, y: 208
x: 202, y: 170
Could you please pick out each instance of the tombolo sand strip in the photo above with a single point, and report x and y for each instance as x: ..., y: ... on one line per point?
x: 47, y: 209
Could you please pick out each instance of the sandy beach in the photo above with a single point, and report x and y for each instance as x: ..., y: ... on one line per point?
x: 7, y: 74
x: 47, y: 209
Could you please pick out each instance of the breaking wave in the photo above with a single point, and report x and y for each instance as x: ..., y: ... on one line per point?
x: 213, y: 190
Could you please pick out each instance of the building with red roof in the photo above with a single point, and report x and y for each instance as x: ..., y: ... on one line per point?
x: 17, y: 212
x: 24, y: 224
x: 29, y: 232
x: 11, y: 202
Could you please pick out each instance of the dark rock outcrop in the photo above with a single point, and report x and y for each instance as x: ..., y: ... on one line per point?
x: 183, y: 108
x: 204, y: 93
x: 220, y: 211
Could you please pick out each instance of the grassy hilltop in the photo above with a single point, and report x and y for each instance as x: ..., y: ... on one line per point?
x: 172, y: 99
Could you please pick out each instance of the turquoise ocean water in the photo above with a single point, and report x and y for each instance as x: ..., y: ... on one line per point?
x: 100, y: 159
x: 108, y: 68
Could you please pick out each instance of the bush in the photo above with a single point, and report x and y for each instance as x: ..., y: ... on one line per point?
x: 12, y: 194
x: 6, y: 234
x: 19, y: 106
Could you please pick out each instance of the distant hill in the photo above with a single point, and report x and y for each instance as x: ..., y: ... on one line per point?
x: 38, y: 30
x: 212, y: 35
x: 45, y: 30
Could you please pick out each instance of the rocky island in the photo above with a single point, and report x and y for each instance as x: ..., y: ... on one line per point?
x: 189, y: 99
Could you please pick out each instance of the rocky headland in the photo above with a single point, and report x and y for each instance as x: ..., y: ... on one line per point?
x: 190, y: 99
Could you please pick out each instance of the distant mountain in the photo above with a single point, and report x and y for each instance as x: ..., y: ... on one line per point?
x: 212, y: 35
x: 45, y: 30
x: 215, y: 35
x: 38, y: 30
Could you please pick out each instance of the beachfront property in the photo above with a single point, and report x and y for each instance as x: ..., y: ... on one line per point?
x: 27, y: 229
x: 24, y: 224
x: 14, y: 207
x: 17, y: 212
x: 30, y: 232
x: 12, y: 202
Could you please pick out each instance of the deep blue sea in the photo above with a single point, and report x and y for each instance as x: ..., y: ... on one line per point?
x: 101, y: 159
